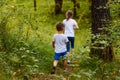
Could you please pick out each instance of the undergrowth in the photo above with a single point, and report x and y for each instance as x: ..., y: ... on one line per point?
x: 26, y: 36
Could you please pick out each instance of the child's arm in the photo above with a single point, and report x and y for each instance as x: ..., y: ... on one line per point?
x: 53, y: 44
x: 66, y: 44
x: 76, y: 27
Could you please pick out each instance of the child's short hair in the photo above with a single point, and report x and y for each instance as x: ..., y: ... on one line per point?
x: 59, y: 26
x: 69, y: 13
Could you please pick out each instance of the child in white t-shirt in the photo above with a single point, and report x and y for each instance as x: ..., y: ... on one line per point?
x: 59, y: 43
x: 70, y: 24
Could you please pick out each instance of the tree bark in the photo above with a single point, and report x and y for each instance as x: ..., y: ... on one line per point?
x: 58, y: 6
x: 35, y: 5
x: 100, y: 19
x: 76, y: 5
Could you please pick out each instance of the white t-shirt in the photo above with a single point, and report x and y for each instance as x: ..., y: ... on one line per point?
x: 60, y: 42
x: 69, y: 27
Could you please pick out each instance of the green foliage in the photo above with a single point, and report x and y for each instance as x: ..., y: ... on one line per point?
x: 115, y: 25
x: 26, y: 49
x: 25, y: 40
x: 95, y: 69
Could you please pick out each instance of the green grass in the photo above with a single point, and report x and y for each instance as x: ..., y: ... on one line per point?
x: 33, y: 31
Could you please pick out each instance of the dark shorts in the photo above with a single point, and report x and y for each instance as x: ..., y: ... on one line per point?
x: 70, y: 43
x: 58, y: 55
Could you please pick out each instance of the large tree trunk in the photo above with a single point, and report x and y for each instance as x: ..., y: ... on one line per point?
x: 58, y: 6
x: 100, y: 19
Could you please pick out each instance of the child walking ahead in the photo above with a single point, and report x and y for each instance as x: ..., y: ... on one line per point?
x: 59, y: 43
x: 70, y: 24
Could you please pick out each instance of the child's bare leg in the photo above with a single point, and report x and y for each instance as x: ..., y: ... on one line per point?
x: 64, y: 64
x: 54, y: 66
x: 68, y: 57
x: 73, y: 51
x: 55, y: 63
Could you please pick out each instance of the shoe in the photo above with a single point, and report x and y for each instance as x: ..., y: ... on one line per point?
x: 65, y: 70
x: 53, y: 70
x: 68, y: 62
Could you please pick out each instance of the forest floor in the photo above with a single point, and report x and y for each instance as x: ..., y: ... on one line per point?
x: 60, y: 73
x: 68, y: 75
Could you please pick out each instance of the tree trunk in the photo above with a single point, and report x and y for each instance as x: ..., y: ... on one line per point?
x: 100, y: 20
x: 58, y: 6
x: 35, y: 5
x: 76, y: 5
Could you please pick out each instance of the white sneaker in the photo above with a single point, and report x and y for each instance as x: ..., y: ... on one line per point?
x: 68, y: 62
x: 65, y: 70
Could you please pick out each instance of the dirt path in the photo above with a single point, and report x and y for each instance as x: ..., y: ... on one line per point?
x: 59, y: 75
